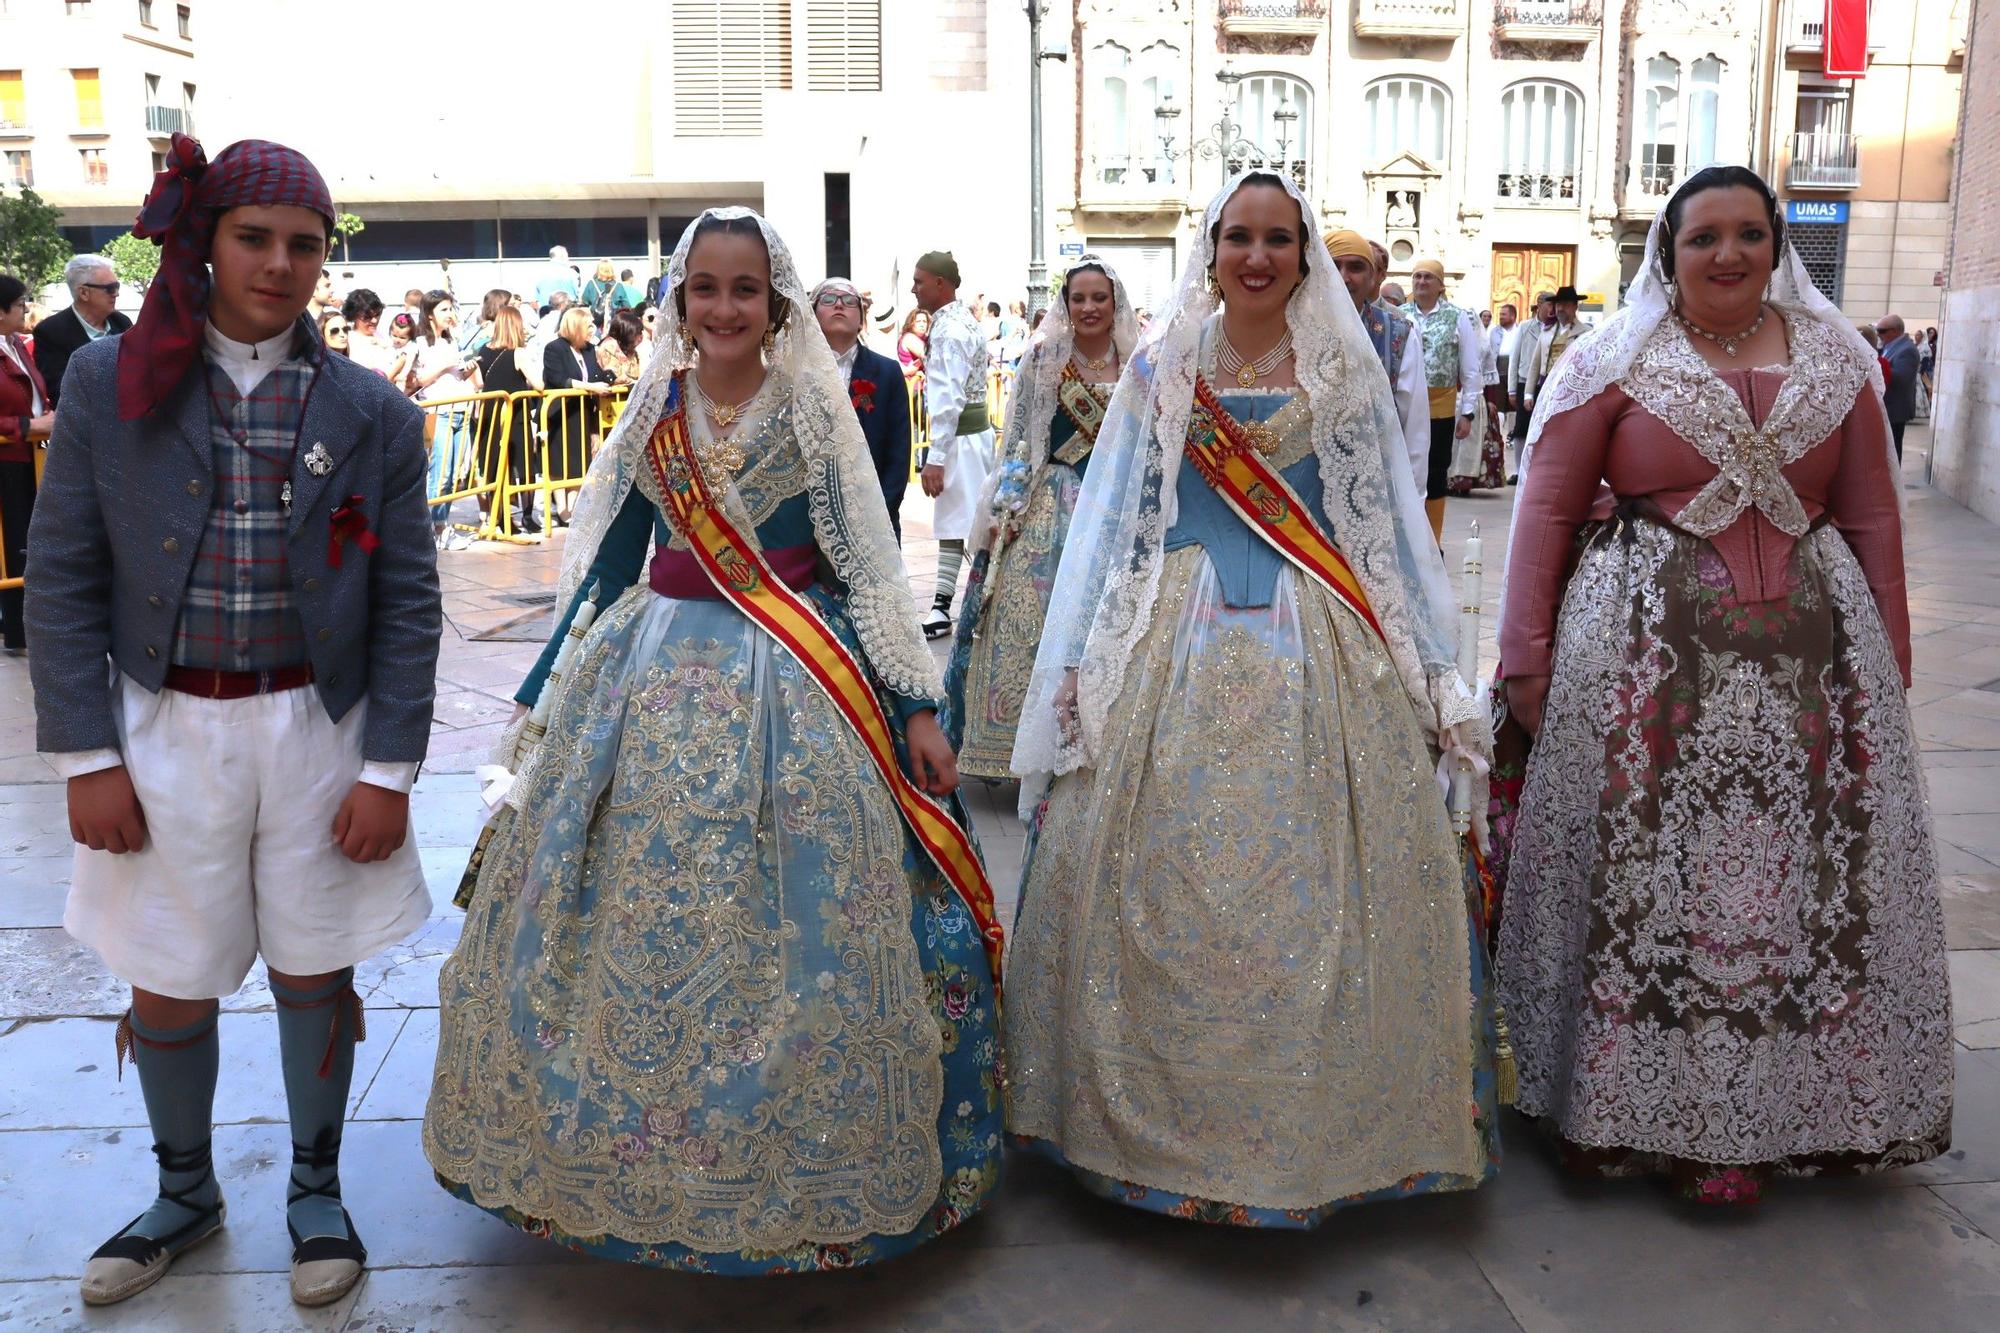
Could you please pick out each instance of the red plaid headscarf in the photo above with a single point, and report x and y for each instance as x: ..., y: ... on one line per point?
x: 180, y: 216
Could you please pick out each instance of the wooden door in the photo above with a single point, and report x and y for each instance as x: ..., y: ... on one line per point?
x: 1519, y: 271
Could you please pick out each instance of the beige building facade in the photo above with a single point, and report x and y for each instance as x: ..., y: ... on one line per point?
x: 1524, y: 143
x: 90, y: 94
x: 1965, y: 411
x: 869, y: 131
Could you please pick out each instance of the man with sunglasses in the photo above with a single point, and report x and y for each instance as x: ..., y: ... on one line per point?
x: 874, y: 387
x: 93, y: 314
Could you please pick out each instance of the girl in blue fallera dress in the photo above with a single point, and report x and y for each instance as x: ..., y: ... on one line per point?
x: 1245, y: 984
x: 716, y: 1008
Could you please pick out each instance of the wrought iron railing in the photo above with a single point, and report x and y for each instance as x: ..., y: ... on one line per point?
x: 1530, y: 187
x: 1273, y: 9
x: 1825, y: 161
x: 166, y: 120
x: 1554, y: 13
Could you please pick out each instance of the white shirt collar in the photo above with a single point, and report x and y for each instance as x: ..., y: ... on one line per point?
x: 848, y: 358
x: 247, y: 364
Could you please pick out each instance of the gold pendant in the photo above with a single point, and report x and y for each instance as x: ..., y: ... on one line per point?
x: 724, y: 414
x: 1247, y: 376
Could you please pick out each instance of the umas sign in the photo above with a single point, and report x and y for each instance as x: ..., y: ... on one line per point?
x: 1816, y: 210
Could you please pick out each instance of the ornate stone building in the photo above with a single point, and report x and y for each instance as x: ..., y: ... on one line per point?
x: 1525, y: 143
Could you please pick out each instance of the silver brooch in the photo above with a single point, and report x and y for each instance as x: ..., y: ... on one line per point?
x: 318, y: 461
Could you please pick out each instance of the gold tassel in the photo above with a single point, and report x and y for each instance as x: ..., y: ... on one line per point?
x: 470, y: 879
x: 1506, y: 1075
x: 125, y: 1043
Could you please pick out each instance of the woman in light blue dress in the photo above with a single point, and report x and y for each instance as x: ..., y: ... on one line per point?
x: 714, y: 1008
x: 1245, y: 984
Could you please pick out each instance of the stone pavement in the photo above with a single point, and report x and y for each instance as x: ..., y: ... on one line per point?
x: 1917, y: 1248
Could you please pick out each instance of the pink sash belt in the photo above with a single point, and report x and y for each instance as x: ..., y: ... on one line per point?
x: 679, y: 574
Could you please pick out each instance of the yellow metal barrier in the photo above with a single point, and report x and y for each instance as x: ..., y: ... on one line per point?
x: 10, y: 580
x: 563, y: 445
x: 473, y: 476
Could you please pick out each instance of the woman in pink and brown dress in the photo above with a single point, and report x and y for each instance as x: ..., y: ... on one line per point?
x: 1723, y: 952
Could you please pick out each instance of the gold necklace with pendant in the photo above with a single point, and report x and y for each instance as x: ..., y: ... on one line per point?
x: 1247, y: 373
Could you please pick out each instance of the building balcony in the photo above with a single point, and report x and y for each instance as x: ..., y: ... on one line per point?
x: 1824, y: 162
x: 1648, y: 185
x: 1549, y: 22
x: 1411, y: 20
x: 164, y: 121
x: 1124, y: 184
x: 12, y: 129
x: 1273, y: 18
x: 1294, y: 168
x: 1805, y: 34
x: 1529, y: 189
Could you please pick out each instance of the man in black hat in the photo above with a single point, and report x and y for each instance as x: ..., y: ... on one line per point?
x: 1550, y: 344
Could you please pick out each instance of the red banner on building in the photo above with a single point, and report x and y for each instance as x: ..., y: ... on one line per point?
x: 1845, y: 40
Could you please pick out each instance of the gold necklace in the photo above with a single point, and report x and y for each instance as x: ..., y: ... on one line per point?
x: 1728, y: 343
x: 1097, y: 363
x: 1247, y: 373
x: 724, y: 455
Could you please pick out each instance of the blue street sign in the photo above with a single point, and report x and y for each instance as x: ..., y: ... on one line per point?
x: 1817, y: 210
x: 1070, y: 249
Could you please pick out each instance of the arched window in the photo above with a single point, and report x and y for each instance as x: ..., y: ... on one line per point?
x: 1678, y: 128
x: 1124, y: 133
x: 1704, y: 106
x: 1407, y: 114
x: 1274, y: 115
x: 1541, y: 143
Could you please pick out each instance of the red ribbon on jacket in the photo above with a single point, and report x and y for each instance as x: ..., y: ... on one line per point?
x: 349, y: 524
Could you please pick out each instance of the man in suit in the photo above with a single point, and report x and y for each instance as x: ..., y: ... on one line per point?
x: 92, y: 314
x: 875, y: 387
x: 1900, y: 395
x: 234, y: 519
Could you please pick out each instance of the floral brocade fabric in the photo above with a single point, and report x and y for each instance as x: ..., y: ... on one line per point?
x: 1240, y: 977
x: 711, y: 1009
x: 1722, y: 941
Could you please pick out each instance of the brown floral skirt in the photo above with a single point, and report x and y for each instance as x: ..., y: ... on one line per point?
x: 1722, y: 951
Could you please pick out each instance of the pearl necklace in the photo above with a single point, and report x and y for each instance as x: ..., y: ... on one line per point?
x: 1247, y: 373
x: 1728, y: 344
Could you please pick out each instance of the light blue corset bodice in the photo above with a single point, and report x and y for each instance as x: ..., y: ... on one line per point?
x: 1245, y: 563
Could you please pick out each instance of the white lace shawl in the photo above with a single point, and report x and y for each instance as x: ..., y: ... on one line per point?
x: 850, y: 521
x: 1109, y: 578
x: 1032, y: 409
x: 1609, y: 353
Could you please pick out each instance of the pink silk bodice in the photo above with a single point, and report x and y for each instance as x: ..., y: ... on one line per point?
x: 1613, y: 442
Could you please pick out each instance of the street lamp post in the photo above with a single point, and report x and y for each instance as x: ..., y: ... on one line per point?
x: 1038, y: 266
x: 1225, y: 139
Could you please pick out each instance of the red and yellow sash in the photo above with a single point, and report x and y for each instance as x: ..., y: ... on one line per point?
x: 737, y: 567
x: 1229, y: 463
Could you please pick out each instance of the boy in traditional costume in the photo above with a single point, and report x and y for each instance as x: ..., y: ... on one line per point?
x: 236, y: 519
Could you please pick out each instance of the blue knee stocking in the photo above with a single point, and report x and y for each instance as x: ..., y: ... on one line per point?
x: 317, y: 1030
x: 177, y: 1068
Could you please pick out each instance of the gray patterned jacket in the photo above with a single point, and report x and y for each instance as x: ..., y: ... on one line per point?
x: 120, y: 514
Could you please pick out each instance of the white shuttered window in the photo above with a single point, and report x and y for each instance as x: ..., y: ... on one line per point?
x: 726, y: 53
x: 844, y: 46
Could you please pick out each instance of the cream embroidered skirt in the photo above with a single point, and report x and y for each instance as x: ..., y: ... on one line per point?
x: 1242, y: 985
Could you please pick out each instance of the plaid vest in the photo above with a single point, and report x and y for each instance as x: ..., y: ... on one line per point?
x: 237, y: 612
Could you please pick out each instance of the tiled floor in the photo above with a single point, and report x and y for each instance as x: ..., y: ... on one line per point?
x: 1920, y: 1248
